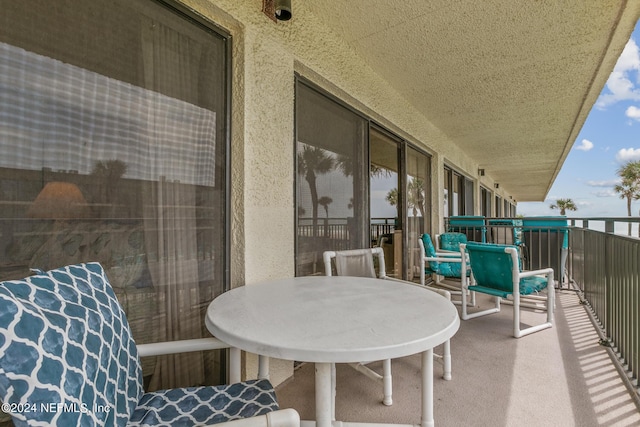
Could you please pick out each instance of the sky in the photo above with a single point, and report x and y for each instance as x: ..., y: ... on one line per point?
x: 609, y: 138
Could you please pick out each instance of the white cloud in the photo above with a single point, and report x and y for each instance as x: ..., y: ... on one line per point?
x: 606, y: 188
x: 605, y: 193
x: 609, y: 183
x: 620, y: 84
x: 629, y: 58
x: 628, y: 155
x: 585, y: 145
x: 633, y: 112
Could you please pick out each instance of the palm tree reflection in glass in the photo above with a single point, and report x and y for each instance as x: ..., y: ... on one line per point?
x: 314, y: 161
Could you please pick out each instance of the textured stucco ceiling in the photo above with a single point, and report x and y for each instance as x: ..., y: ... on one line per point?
x: 510, y: 82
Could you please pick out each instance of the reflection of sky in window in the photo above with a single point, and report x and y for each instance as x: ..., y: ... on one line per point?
x: 58, y: 116
x: 380, y: 187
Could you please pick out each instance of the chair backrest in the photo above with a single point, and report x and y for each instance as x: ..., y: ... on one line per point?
x: 427, y: 245
x: 355, y: 262
x: 66, y: 341
x: 451, y: 241
x: 492, y: 265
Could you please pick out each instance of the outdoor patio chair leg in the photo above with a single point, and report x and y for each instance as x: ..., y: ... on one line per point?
x: 387, y: 382
x: 333, y: 392
x: 446, y: 356
x: 517, y: 332
x: 466, y: 316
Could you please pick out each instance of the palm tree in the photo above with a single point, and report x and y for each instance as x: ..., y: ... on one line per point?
x: 325, y: 201
x: 629, y: 187
x: 564, y: 205
x: 415, y: 196
x: 392, y: 197
x: 314, y: 161
x: 344, y: 164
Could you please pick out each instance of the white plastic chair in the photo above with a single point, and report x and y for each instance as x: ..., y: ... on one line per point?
x: 360, y: 263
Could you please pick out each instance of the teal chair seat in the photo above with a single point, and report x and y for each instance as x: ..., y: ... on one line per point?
x: 528, y: 286
x: 446, y: 269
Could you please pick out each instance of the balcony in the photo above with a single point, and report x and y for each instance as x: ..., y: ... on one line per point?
x: 582, y: 372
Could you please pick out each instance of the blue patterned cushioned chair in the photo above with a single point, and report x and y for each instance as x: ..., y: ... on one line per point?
x: 69, y: 360
x: 497, y: 272
x: 443, y: 265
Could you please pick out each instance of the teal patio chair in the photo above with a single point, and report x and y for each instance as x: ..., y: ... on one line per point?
x: 496, y: 271
x: 443, y: 265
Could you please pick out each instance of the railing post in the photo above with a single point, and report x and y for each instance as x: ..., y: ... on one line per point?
x: 609, y: 226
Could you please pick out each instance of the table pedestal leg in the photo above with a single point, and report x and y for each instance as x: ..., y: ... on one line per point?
x: 427, y: 389
x: 323, y: 395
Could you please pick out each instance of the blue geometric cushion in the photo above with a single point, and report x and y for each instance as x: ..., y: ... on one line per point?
x: 68, y: 355
x: 186, y: 407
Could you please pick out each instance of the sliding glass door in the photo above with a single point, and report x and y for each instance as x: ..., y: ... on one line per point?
x: 113, y: 143
x: 357, y: 185
x: 385, y: 199
x: 330, y: 197
x: 418, y: 204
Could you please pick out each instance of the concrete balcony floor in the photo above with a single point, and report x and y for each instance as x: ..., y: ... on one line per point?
x: 557, y: 377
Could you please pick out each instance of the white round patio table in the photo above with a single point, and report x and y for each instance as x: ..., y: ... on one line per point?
x: 337, y: 319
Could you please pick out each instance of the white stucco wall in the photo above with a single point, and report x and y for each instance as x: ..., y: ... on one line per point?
x: 266, y: 55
